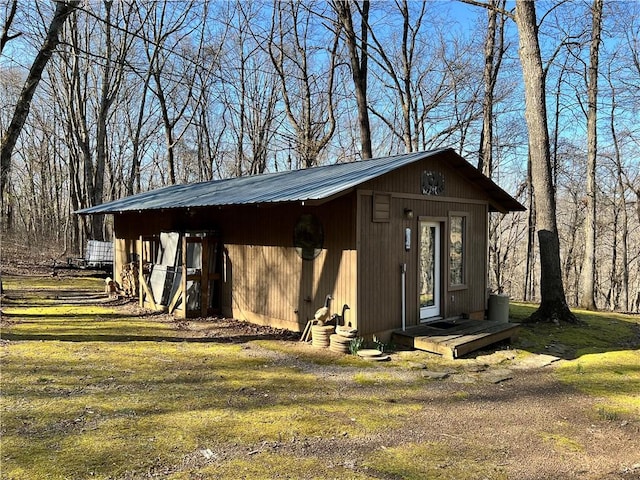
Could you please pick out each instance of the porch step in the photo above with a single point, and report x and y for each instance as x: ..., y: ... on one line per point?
x: 454, y: 339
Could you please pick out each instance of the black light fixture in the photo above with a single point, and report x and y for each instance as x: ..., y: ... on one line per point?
x: 408, y: 213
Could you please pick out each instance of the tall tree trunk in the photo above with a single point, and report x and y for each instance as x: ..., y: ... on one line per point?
x: 133, y: 181
x: 553, y: 306
x: 168, y: 129
x: 106, y: 100
x: 492, y: 60
x: 407, y: 62
x: 621, y: 200
x: 529, y: 283
x: 613, y: 293
x: 587, y: 281
x: 10, y: 137
x: 358, y: 57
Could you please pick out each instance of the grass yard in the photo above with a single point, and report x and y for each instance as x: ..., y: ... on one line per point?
x: 91, y: 390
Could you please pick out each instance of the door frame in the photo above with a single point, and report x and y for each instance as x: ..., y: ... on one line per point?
x: 435, y: 312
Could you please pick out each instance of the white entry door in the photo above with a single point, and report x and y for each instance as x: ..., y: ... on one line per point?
x: 429, y: 270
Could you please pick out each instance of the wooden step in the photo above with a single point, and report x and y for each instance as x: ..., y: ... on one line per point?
x: 463, y: 337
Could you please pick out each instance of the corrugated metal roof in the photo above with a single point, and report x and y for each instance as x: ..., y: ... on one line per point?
x: 317, y: 183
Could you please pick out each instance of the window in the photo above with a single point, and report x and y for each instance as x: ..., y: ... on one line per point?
x: 457, y: 249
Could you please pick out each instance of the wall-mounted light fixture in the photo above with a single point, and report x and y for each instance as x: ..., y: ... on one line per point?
x: 408, y: 213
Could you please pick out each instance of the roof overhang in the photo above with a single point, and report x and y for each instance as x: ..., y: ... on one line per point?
x: 499, y: 199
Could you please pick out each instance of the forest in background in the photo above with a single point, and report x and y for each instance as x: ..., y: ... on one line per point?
x: 142, y: 94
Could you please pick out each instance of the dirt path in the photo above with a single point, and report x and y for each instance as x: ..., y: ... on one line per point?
x: 538, y: 427
x: 512, y: 417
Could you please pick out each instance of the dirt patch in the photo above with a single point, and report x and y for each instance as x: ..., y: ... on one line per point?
x: 20, y: 259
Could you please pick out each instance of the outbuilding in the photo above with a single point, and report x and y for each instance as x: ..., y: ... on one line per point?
x: 402, y: 240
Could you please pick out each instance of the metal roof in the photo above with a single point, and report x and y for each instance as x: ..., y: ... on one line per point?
x: 311, y: 184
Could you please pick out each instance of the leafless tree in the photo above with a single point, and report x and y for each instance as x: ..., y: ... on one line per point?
x: 622, y: 298
x: 553, y: 306
x: 587, y: 294
x: 10, y: 14
x: 94, y: 62
x: 505, y: 231
x: 209, y: 131
x: 175, y: 51
x: 400, y: 72
x: 570, y: 214
x: 423, y: 93
x: 249, y: 89
x: 494, y: 49
x: 307, y: 92
x: 10, y: 136
x: 358, y: 48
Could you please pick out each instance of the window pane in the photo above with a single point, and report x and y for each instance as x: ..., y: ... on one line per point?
x: 456, y: 252
x: 427, y: 265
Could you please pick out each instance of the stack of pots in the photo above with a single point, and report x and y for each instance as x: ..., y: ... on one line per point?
x: 340, y: 341
x: 320, y: 335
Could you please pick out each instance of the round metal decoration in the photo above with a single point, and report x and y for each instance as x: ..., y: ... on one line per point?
x: 308, y: 236
x: 432, y: 183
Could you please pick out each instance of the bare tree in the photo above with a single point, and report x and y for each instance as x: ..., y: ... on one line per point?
x: 622, y: 79
x: 250, y: 91
x: 401, y: 78
x: 587, y: 294
x: 136, y: 122
x: 95, y: 64
x: 494, y: 49
x: 529, y: 292
x: 553, y: 306
x: 358, y: 46
x: 175, y: 47
x: 10, y: 137
x: 424, y: 95
x: 209, y: 130
x: 570, y: 214
x: 39, y: 178
x: 5, y: 36
x: 464, y: 99
x: 307, y: 96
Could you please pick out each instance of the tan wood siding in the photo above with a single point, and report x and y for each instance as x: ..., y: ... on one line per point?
x: 271, y: 280
x: 264, y: 278
x: 274, y: 285
x: 408, y: 181
x: 382, y: 252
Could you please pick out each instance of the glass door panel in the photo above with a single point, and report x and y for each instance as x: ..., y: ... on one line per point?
x: 429, y: 269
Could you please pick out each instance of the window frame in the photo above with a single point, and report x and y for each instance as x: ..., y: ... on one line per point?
x: 464, y: 284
